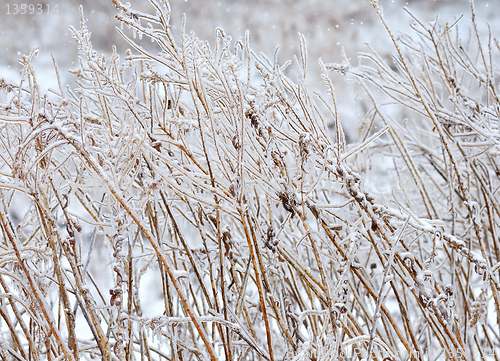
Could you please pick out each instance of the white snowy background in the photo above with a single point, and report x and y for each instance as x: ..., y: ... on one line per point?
x: 328, y: 26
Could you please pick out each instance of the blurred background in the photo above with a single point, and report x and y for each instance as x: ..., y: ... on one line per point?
x: 328, y: 25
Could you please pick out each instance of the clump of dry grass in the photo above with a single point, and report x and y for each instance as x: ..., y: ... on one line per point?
x: 218, y: 183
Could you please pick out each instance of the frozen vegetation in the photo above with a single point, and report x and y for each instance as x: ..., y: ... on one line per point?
x: 194, y: 200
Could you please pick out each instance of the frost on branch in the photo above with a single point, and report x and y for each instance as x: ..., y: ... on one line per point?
x: 189, y: 201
